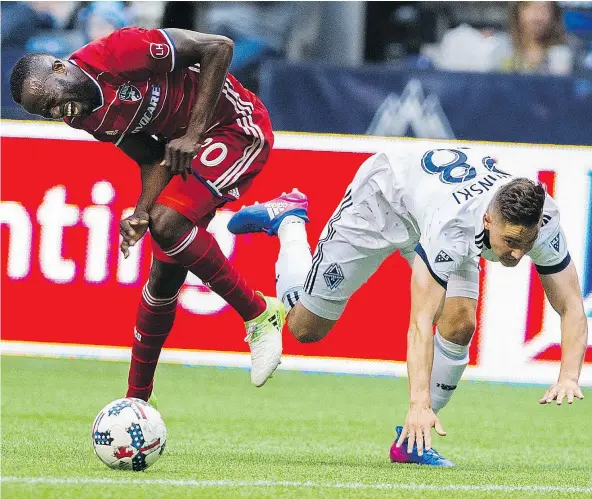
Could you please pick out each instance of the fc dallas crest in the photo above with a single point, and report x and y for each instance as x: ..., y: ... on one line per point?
x: 129, y: 93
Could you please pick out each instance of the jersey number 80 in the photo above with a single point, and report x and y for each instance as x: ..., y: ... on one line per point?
x: 455, y: 170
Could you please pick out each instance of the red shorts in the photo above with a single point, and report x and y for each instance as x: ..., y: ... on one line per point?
x: 228, y: 161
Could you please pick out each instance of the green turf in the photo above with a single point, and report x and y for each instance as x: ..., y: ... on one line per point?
x: 299, y: 427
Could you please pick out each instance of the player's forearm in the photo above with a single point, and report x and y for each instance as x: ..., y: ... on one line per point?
x: 154, y: 179
x: 420, y: 355
x: 213, y: 53
x: 574, y: 341
x: 214, y: 64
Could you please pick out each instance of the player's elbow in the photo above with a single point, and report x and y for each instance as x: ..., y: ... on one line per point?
x: 222, y: 46
x: 567, y: 301
x: 226, y: 43
x: 572, y: 308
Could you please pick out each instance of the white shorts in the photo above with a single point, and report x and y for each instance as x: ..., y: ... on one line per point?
x: 363, y: 231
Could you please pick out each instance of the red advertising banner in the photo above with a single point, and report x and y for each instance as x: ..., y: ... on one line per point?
x: 65, y: 200
x: 65, y: 282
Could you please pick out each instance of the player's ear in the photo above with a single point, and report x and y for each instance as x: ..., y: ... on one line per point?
x: 487, y: 220
x: 58, y: 66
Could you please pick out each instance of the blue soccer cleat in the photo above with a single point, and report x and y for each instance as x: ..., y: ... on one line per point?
x: 429, y: 457
x: 267, y: 217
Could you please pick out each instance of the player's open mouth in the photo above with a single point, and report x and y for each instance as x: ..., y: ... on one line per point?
x: 68, y: 109
x: 71, y: 109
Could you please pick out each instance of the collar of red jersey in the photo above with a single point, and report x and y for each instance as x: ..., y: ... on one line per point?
x: 95, y: 82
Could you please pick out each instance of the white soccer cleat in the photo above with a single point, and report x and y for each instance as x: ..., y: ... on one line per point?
x: 264, y: 336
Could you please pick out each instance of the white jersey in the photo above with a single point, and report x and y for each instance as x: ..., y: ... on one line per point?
x: 416, y: 201
x: 441, y: 195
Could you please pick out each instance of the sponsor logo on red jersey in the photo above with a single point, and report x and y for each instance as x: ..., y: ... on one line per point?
x: 149, y: 113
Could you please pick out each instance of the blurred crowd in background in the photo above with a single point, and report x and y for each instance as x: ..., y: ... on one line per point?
x: 552, y: 38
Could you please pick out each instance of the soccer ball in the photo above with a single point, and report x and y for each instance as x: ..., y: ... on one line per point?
x: 129, y: 434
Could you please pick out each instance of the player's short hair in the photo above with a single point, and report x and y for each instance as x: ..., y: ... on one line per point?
x: 520, y: 202
x: 22, y: 70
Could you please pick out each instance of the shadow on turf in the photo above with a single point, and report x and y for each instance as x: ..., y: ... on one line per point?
x: 383, y: 463
x: 285, y: 460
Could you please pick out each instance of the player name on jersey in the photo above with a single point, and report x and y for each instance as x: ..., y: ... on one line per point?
x: 478, y: 187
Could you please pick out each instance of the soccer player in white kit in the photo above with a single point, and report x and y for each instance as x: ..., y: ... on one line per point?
x: 442, y: 209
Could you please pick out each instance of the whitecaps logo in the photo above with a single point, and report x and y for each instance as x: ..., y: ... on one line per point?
x: 412, y: 110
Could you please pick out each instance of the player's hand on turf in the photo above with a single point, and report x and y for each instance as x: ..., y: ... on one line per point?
x: 179, y: 153
x: 418, y: 428
x: 563, y: 388
x: 132, y: 229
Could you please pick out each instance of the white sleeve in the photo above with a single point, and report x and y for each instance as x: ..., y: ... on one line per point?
x: 443, y: 248
x: 549, y: 253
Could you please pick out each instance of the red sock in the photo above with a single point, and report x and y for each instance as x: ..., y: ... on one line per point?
x: 153, y: 323
x: 199, y: 252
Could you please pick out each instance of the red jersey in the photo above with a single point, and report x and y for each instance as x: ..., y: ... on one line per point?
x: 142, y: 90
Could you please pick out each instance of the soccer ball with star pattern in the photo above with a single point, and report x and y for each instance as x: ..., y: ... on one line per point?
x: 129, y: 434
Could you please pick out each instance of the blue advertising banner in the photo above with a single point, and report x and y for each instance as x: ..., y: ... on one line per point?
x: 379, y: 100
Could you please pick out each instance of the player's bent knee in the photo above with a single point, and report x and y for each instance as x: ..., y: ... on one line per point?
x: 306, y: 334
x: 167, y: 226
x: 459, y: 332
x: 462, y: 332
x: 457, y: 322
x: 306, y: 326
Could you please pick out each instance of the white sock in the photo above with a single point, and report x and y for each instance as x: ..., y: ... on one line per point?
x: 294, y: 260
x: 450, y: 361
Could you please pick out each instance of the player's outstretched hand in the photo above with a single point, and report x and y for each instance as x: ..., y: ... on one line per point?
x: 132, y: 229
x: 418, y: 428
x: 563, y: 388
x: 178, y: 155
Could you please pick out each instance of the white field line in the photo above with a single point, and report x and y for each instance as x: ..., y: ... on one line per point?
x: 309, y: 484
x: 534, y: 373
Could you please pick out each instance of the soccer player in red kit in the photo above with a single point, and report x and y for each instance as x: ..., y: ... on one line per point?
x: 165, y: 98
